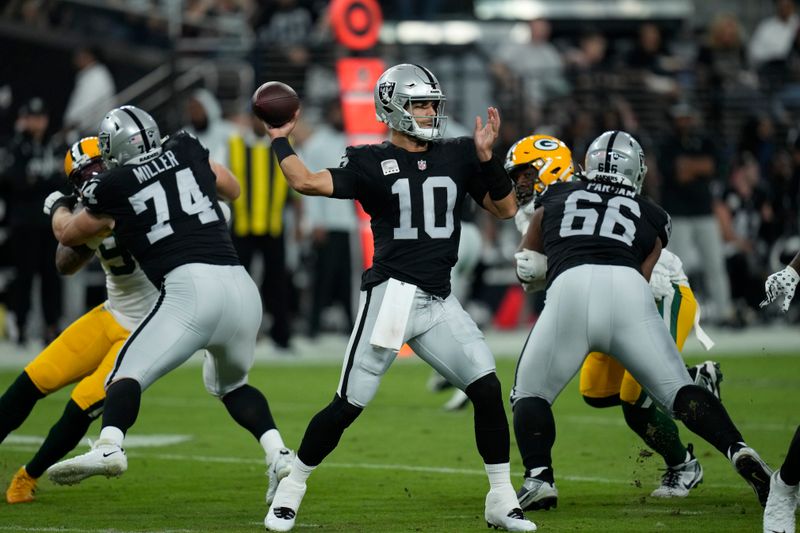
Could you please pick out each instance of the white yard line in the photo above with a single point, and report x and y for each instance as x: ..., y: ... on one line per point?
x: 369, y: 466
x: 104, y: 530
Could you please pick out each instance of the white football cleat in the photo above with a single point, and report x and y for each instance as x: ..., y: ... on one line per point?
x: 678, y: 480
x: 280, y: 468
x: 458, y: 401
x: 104, y: 459
x: 283, y: 511
x: 779, y: 514
x: 503, y: 512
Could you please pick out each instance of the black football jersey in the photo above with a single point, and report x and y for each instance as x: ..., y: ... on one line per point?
x: 165, y: 211
x: 590, y: 222
x: 415, y: 200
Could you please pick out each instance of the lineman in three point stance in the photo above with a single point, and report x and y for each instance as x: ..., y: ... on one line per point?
x: 413, y: 187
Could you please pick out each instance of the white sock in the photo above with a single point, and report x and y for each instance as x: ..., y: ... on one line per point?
x: 499, y: 475
x: 272, y: 442
x: 300, y: 471
x: 112, y: 434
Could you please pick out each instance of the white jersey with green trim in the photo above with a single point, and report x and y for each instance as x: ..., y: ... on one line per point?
x: 131, y: 294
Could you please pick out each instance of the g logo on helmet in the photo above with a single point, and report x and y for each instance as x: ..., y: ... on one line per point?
x: 545, y: 144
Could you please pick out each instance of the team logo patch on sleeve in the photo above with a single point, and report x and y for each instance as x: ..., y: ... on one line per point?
x: 390, y: 166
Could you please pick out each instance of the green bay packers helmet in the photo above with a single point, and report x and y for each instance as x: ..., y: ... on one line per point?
x: 617, y: 157
x: 83, y: 161
x: 397, y: 88
x: 535, y: 162
x: 129, y: 136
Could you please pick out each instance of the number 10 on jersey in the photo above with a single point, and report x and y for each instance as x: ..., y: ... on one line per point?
x: 402, y: 188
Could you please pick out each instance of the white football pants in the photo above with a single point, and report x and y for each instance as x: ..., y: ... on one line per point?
x: 603, y: 308
x: 200, y: 306
x: 439, y: 331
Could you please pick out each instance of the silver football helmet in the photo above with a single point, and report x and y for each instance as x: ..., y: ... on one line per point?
x: 129, y: 136
x: 397, y: 88
x: 616, y: 156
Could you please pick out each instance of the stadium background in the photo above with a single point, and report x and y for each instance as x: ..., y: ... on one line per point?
x: 601, y: 77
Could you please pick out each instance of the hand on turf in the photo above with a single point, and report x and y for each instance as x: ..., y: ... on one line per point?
x: 782, y: 282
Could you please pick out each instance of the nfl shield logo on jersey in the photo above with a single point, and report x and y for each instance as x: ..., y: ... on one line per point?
x: 422, y: 164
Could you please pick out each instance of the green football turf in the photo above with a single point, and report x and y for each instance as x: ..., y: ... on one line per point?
x: 405, y: 465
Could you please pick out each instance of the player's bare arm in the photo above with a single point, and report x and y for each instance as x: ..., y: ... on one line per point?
x: 532, y: 240
x: 70, y: 259
x: 73, y: 229
x: 298, y: 176
x: 485, y: 135
x: 651, y: 260
x: 227, y: 185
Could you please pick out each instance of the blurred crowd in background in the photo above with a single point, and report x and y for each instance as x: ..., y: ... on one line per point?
x: 714, y: 100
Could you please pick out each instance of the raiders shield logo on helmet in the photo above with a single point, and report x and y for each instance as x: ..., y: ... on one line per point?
x: 385, y: 91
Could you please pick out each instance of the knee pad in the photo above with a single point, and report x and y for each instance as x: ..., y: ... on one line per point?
x: 601, y: 403
x: 485, y: 390
x: 343, y: 412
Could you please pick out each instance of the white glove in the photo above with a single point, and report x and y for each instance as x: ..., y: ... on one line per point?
x: 782, y: 282
x: 531, y: 266
x: 50, y: 200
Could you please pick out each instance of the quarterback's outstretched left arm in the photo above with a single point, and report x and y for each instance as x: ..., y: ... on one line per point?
x: 500, y: 205
x: 297, y: 174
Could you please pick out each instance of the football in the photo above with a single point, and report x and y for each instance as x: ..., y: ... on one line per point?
x: 275, y: 103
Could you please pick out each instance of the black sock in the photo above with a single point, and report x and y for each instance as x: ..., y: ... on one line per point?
x: 704, y: 415
x: 657, y: 430
x: 325, y: 429
x: 17, y: 403
x: 535, y: 429
x: 63, y: 437
x: 122, y: 404
x: 249, y: 408
x: 491, y: 425
x: 790, y: 470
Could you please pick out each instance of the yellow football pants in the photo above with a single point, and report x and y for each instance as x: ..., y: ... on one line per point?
x: 602, y: 376
x: 85, y: 351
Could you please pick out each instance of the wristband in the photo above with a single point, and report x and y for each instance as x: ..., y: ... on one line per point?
x: 497, y: 180
x: 282, y: 148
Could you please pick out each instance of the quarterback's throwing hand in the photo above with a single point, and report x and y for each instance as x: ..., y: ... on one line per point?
x: 782, y: 282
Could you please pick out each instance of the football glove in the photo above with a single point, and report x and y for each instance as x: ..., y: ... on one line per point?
x: 782, y: 282
x: 58, y: 199
x: 531, y: 266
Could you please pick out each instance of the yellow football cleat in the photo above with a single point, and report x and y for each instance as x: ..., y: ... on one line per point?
x: 22, y: 487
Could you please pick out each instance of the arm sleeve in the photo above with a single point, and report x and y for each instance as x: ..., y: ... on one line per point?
x: 94, y: 196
